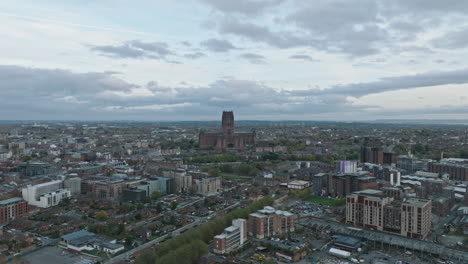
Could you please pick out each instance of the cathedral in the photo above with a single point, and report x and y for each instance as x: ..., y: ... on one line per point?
x: 226, y: 138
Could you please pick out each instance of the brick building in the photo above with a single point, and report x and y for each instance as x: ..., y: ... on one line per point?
x: 270, y: 222
x: 372, y: 209
x: 456, y: 168
x: 12, y: 208
x: 232, y: 238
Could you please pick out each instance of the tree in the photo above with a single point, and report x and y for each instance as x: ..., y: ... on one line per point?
x: 192, y: 189
x: 102, y: 216
x: 128, y: 241
x: 140, y: 206
x: 159, y: 208
x: 155, y: 195
x: 213, y: 172
x: 146, y: 200
x: 65, y: 201
x: 173, y: 205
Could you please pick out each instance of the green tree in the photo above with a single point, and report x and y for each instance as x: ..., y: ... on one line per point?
x: 173, y: 205
x: 155, y: 195
x: 192, y: 189
x: 102, y: 216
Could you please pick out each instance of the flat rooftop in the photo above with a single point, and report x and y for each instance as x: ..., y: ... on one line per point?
x: 56, y: 255
x: 11, y: 200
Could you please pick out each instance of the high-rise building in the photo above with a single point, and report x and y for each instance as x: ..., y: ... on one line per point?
x: 366, y: 208
x: 416, y: 215
x: 373, y: 209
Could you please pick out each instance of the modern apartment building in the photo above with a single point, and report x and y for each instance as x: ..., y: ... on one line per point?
x: 374, y: 210
x: 416, y: 217
x: 12, y: 208
x: 269, y: 222
x: 366, y: 208
x: 232, y: 238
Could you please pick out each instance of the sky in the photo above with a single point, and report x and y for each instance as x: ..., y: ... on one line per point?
x: 157, y: 60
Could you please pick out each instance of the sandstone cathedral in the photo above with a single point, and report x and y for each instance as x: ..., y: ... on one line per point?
x: 226, y: 138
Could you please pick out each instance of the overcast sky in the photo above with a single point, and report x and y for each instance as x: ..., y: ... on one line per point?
x: 264, y: 59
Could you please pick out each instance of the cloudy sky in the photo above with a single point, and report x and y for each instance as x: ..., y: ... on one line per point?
x: 264, y: 59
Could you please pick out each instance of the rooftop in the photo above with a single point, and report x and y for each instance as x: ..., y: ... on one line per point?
x: 11, y: 200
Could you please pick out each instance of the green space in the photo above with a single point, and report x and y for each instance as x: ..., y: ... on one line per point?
x: 190, y: 246
x: 228, y: 176
x: 326, y: 201
x: 306, y: 197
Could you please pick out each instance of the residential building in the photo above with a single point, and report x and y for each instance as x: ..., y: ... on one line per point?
x: 456, y: 168
x: 372, y: 209
x: 270, y: 222
x: 346, y: 166
x: 416, y: 215
x: 208, y: 186
x: 366, y: 208
x: 298, y: 185
x: 45, y: 194
x: 232, y: 238
x: 12, y: 208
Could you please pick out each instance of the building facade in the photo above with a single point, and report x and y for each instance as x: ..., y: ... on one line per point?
x: 232, y: 238
x: 12, y: 208
x: 372, y: 209
x: 270, y: 222
x: 227, y: 137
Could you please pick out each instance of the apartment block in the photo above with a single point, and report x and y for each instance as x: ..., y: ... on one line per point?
x: 232, y: 238
x: 12, y: 208
x: 374, y: 210
x: 416, y: 218
x: 366, y: 208
x: 269, y: 222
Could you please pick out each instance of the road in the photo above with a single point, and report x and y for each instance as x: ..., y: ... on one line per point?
x: 122, y: 257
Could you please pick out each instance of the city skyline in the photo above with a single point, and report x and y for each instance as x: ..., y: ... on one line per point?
x: 266, y: 60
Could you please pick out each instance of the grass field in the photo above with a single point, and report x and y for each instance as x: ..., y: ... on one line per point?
x: 326, y: 201
x: 228, y: 176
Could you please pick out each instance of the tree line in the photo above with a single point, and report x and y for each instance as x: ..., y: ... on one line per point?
x: 192, y: 244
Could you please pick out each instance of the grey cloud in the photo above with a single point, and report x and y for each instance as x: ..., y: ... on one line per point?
x: 194, y: 55
x: 356, y: 28
x: 135, y: 49
x: 394, y: 83
x: 253, y: 58
x: 218, y: 45
x: 302, y: 57
x: 257, y: 33
x: 457, y: 39
x: 30, y: 93
x: 242, y: 6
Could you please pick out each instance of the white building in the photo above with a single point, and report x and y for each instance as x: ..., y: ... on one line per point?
x: 45, y: 194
